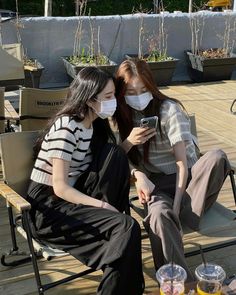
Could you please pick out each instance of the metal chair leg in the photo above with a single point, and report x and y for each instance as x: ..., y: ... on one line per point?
x: 231, y: 175
x: 231, y: 108
x: 14, y: 251
x: 44, y: 287
x: 25, y: 220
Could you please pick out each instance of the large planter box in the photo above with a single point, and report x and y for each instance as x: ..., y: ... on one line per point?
x: 13, y: 71
x: 210, y: 69
x: 162, y: 70
x: 73, y: 70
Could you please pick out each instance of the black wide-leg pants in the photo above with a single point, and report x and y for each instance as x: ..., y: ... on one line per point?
x: 98, y: 237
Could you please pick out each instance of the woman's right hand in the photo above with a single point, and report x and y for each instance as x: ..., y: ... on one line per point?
x: 139, y: 135
x: 144, y: 187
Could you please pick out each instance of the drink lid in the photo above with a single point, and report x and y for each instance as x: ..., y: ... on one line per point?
x: 209, y: 272
x: 169, y: 272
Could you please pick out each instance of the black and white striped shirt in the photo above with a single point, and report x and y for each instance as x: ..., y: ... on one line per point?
x: 68, y: 140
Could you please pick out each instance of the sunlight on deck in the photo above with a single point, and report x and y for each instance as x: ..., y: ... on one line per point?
x: 216, y: 128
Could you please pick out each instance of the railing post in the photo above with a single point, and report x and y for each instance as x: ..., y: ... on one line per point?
x: 47, y: 7
x: 190, y: 6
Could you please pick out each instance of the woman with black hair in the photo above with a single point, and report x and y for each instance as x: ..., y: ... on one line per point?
x: 80, y: 185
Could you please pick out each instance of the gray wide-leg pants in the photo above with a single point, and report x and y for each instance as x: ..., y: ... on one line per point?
x: 206, y: 179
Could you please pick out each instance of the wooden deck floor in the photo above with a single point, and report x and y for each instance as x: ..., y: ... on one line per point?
x: 216, y: 127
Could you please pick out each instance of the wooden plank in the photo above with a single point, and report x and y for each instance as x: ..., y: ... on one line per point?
x: 216, y: 129
x: 13, y: 198
x: 10, y: 112
x: 210, y: 102
x: 30, y: 68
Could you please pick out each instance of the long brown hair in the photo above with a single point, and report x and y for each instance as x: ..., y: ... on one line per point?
x: 127, y: 70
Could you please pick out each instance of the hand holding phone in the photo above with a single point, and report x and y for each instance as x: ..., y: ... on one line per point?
x: 150, y: 122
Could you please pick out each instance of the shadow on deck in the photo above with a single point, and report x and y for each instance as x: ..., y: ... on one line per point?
x: 216, y: 128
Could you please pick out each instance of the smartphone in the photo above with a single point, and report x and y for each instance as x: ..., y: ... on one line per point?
x: 150, y: 122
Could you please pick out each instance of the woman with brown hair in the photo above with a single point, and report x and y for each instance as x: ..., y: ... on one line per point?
x: 170, y: 180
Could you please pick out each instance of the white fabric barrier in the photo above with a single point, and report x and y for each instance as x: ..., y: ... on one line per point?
x: 49, y: 38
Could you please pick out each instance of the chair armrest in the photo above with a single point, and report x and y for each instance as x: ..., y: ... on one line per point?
x: 13, y: 198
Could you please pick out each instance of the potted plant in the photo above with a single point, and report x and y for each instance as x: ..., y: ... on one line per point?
x: 90, y: 56
x: 75, y: 63
x: 161, y: 65
x: 33, y: 70
x: 23, y: 70
x: 210, y: 64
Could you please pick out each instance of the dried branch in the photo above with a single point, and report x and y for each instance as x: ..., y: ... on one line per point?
x: 78, y: 34
x: 140, y: 36
x: 197, y: 23
x: 99, y: 49
x: 92, y: 49
x: 1, y: 43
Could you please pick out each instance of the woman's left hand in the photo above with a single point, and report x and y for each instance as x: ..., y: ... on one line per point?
x: 139, y: 135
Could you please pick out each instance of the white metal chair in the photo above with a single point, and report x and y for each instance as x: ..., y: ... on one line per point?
x: 17, y: 163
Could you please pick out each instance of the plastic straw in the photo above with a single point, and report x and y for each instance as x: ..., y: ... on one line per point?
x: 201, y: 251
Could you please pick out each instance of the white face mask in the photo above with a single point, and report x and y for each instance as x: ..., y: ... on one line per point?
x: 139, y: 102
x: 107, y: 108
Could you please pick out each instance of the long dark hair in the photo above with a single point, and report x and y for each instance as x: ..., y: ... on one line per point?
x: 127, y: 70
x: 88, y: 83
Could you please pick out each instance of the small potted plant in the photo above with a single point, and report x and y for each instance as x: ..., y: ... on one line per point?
x: 90, y: 56
x: 26, y: 71
x: 210, y: 64
x: 74, y: 63
x: 161, y: 65
x: 33, y: 70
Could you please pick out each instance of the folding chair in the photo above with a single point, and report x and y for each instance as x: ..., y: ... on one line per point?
x: 2, y: 112
x: 217, y: 218
x: 17, y: 163
x: 232, y: 107
x: 36, y: 106
x: 7, y: 112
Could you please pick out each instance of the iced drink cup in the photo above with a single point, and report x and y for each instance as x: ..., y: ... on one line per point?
x: 171, y: 278
x: 210, y: 278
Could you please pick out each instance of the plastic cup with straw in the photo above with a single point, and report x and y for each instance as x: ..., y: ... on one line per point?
x: 210, y: 276
x: 171, y: 278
